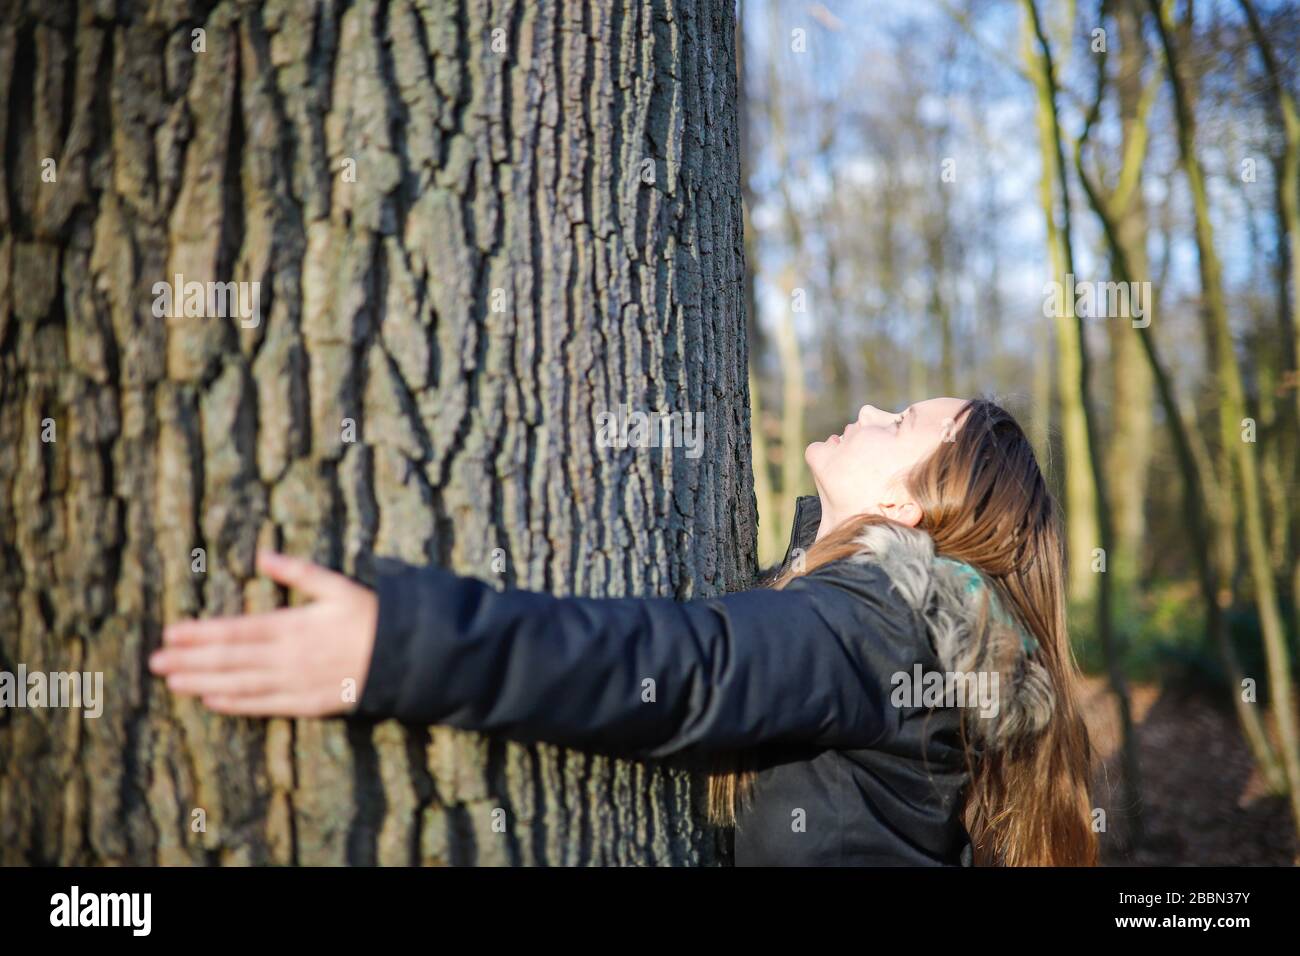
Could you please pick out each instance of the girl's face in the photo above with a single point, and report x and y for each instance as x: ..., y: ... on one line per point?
x: 863, y: 469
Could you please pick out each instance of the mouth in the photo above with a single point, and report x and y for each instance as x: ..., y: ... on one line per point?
x: 842, y: 436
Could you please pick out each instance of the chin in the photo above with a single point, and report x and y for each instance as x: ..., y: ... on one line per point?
x: 814, y: 455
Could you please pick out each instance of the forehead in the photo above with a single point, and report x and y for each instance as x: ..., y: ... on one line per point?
x: 938, y: 409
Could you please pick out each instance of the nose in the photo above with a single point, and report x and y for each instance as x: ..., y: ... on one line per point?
x: 868, y: 413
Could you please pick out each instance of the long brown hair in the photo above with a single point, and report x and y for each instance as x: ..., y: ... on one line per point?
x: 984, y: 501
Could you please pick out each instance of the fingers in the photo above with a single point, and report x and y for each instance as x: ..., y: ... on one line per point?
x: 311, y: 579
x: 226, y: 671
x: 244, y: 628
x: 255, y: 664
x: 215, y: 657
x: 304, y: 576
x: 229, y: 669
x: 224, y: 655
x: 234, y: 684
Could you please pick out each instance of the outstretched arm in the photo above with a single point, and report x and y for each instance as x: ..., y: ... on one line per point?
x: 294, y: 662
x: 810, y: 663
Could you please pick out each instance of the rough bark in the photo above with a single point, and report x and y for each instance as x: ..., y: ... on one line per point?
x: 545, y: 223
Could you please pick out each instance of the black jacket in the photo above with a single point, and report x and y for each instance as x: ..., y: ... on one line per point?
x: 800, y: 678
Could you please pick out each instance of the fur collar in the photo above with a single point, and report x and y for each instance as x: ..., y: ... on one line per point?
x: 970, y: 630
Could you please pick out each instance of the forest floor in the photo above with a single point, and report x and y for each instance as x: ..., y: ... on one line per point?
x: 1205, y: 804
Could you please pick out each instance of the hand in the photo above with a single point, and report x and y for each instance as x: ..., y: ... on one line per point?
x: 294, y: 662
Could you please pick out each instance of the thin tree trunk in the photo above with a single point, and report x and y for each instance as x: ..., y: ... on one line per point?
x: 1078, y: 485
x: 1195, y: 499
x: 1289, y: 178
x: 475, y: 226
x: 1288, y: 200
x: 1232, y: 413
x: 1076, y: 361
x: 1129, y: 458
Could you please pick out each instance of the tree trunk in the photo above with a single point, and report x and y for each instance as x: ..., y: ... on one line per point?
x: 1288, y: 205
x: 1129, y: 456
x: 1078, y: 488
x: 1244, y: 477
x: 476, y: 226
x: 1194, y: 469
x: 1072, y: 344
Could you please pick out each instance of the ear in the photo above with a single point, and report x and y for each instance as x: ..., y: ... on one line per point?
x: 906, y: 512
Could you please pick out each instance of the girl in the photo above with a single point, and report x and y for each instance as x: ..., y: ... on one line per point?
x: 903, y: 693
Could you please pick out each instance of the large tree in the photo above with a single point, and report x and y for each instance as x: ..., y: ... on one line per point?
x: 475, y: 226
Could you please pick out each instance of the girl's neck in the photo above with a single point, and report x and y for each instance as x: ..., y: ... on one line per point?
x: 828, y: 523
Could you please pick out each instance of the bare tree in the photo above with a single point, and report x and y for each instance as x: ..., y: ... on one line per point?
x: 1084, y: 455
x: 1232, y: 418
x: 1192, y: 468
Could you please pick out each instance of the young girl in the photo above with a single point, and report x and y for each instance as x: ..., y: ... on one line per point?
x: 902, y: 693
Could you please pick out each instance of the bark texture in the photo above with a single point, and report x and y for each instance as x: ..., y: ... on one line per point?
x: 475, y: 226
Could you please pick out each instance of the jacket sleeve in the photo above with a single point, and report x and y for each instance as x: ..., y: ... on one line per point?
x: 648, y: 676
